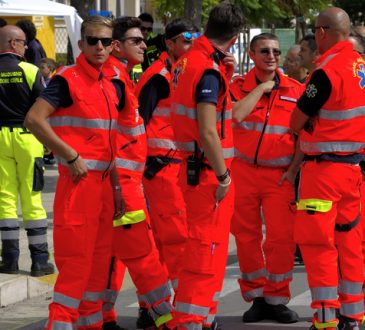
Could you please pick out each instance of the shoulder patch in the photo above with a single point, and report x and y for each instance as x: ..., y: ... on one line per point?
x: 359, y: 72
x: 311, y: 91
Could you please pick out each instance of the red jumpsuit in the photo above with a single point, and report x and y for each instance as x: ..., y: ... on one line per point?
x: 264, y: 148
x: 201, y: 276
x: 133, y: 241
x: 167, y: 208
x: 329, y: 206
x: 83, y: 210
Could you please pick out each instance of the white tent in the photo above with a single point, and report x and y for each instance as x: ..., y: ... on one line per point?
x: 46, y: 8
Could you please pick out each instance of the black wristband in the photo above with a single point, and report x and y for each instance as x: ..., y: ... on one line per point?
x: 73, y: 160
x: 224, y: 176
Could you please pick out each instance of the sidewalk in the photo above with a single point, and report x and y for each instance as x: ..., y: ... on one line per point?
x: 16, y: 288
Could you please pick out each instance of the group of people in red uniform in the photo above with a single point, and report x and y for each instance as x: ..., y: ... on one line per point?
x: 182, y: 138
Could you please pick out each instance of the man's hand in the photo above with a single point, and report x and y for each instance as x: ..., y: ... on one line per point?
x: 119, y: 204
x: 78, y: 169
x: 222, y: 190
x: 230, y: 64
x: 267, y: 86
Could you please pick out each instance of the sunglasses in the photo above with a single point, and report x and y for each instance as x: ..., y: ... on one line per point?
x: 268, y: 51
x: 135, y: 40
x: 187, y: 35
x: 324, y: 27
x: 144, y: 29
x: 92, y: 41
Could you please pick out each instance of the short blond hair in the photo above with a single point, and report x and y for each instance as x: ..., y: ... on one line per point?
x: 95, y: 21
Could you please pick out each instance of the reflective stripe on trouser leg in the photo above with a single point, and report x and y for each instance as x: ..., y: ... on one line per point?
x: 326, y: 252
x: 278, y: 246
x: 82, y: 242
x: 202, y: 276
x: 37, y: 240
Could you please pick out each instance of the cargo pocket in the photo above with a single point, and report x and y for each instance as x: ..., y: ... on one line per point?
x: 38, y: 174
x: 200, y: 257
x: 132, y: 241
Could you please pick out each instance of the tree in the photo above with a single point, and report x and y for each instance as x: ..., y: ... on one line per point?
x: 193, y: 10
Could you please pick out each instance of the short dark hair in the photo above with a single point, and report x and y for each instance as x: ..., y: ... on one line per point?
x: 92, y: 21
x: 3, y: 22
x: 28, y: 28
x: 262, y: 36
x: 146, y: 17
x: 49, y: 62
x: 177, y: 26
x: 225, y: 21
x: 122, y: 24
x: 311, y: 40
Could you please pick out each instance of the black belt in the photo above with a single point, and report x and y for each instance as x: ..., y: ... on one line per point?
x: 347, y: 159
x: 348, y: 226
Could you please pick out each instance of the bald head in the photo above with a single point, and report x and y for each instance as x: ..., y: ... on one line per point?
x: 10, y: 38
x: 336, y: 19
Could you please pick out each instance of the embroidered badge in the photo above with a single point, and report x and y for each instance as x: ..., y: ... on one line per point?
x: 175, y: 75
x: 361, y: 74
x: 311, y: 91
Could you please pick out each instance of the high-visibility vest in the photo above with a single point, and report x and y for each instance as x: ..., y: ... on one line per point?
x: 186, y: 74
x: 89, y: 125
x: 132, y: 145
x: 160, y: 135
x: 339, y: 127
x: 264, y: 137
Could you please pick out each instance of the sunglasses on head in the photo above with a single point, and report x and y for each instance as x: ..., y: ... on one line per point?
x: 144, y: 29
x: 187, y: 35
x: 135, y: 40
x: 92, y: 41
x: 267, y: 51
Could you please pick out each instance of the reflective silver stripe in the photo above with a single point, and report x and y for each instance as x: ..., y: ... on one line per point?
x: 275, y: 300
x: 174, y: 284
x: 92, y: 296
x: 161, y: 143
x: 60, y: 325
x: 190, y: 147
x: 163, y: 72
x: 330, y: 57
x: 9, y: 223
x: 96, y: 165
x: 64, y: 300
x: 275, y: 162
x: 30, y: 224
x: 157, y: 294
x: 39, y: 239
x: 329, y: 314
x: 192, y: 309
x: 325, y: 293
x: 163, y: 308
x: 216, y: 296
x: 254, y: 275
x: 181, y: 110
x: 276, y: 278
x: 210, y: 319
x: 352, y: 309
x: 215, y: 66
x: 162, y: 112
x: 342, y: 114
x: 227, y: 115
x: 336, y: 146
x: 10, y: 234
x: 69, y: 121
x: 192, y: 326
x: 117, y: 71
x: 129, y: 164
x: 110, y: 296
x: 92, y: 319
x: 65, y: 68
x: 249, y: 295
x: 228, y: 152
x: 258, y: 127
x: 131, y: 131
x: 348, y: 287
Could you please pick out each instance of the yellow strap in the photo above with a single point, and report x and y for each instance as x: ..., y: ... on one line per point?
x: 130, y: 218
x: 318, y: 205
x: 325, y: 325
x: 163, y: 319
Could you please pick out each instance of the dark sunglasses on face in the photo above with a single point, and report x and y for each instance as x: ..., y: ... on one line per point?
x: 267, y: 51
x: 135, y: 40
x: 144, y: 29
x: 188, y: 36
x: 324, y: 27
x: 92, y: 41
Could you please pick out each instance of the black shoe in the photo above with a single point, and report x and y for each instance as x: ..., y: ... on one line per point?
x: 346, y: 323
x: 10, y: 267
x: 145, y: 321
x: 257, y: 311
x: 112, y: 326
x: 281, y: 314
x: 41, y: 269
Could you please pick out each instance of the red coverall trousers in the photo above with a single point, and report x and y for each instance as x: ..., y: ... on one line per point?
x: 333, y: 259
x: 266, y: 268
x: 83, y: 215
x: 168, y: 217
x: 204, y: 260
